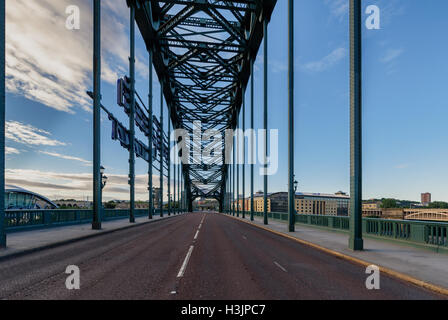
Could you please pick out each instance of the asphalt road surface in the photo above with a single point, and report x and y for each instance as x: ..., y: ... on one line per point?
x: 194, y: 256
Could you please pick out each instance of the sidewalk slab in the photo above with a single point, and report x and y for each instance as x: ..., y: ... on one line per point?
x: 23, y: 242
x: 425, y: 265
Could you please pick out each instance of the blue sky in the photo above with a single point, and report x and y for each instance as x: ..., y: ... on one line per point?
x: 405, y: 98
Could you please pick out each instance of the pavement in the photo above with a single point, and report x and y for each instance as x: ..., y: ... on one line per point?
x: 419, y: 263
x: 24, y: 242
x: 199, y: 256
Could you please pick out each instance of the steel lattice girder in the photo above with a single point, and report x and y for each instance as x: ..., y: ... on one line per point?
x: 202, y: 51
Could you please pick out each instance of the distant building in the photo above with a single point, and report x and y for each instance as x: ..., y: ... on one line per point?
x: 305, y: 203
x: 371, y: 205
x: 426, y: 199
x: 17, y: 198
x: 75, y: 204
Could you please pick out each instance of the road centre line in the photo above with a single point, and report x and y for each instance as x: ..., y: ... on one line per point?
x: 184, y: 265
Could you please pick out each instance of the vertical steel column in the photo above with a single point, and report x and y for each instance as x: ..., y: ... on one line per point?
x: 97, y: 183
x: 265, y: 122
x: 355, y: 240
x: 169, y: 164
x: 2, y: 124
x: 230, y: 189
x: 162, y: 141
x: 229, y: 196
x: 237, y: 145
x: 233, y: 180
x: 150, y: 134
x: 252, y: 151
x: 174, y: 188
x: 244, y: 154
x: 132, y: 117
x: 179, y: 193
x: 181, y: 190
x: 291, y: 191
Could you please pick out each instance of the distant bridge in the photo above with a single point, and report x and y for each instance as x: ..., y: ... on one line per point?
x: 426, y: 214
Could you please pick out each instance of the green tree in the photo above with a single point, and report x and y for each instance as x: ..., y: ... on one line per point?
x: 438, y: 205
x: 389, y: 204
x: 110, y: 205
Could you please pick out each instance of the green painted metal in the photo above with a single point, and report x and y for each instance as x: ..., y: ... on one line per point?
x: 265, y: 120
x: 151, y: 132
x: 252, y: 150
x: 355, y: 240
x: 161, y: 150
x: 237, y: 148
x: 423, y: 233
x: 23, y: 220
x: 244, y: 155
x: 169, y: 168
x: 97, y: 190
x: 233, y: 179
x: 132, y: 116
x: 174, y: 189
x: 2, y: 124
x: 199, y: 83
x: 291, y: 191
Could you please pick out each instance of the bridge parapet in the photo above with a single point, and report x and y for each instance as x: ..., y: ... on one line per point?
x: 429, y: 234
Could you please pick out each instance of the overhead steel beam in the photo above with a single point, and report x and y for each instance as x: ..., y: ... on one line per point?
x: 202, y: 52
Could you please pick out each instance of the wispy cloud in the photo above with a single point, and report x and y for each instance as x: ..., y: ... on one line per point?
x: 402, y: 166
x: 338, y: 8
x: 10, y: 150
x: 391, y: 54
x: 57, y: 185
x: 52, y: 65
x: 65, y: 157
x: 28, y: 135
x: 326, y: 62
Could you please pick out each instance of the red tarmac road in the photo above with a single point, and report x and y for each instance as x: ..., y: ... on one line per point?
x: 194, y: 256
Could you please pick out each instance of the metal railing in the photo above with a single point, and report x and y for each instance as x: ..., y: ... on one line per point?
x: 19, y: 220
x: 427, y: 233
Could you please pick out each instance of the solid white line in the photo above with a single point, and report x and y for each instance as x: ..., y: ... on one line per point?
x: 200, y: 226
x: 278, y: 265
x: 196, y: 236
x: 184, y: 265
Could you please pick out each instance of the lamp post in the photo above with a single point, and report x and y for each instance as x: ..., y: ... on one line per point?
x: 103, y: 178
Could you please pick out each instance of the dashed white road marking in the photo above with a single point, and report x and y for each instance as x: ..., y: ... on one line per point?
x: 196, y: 235
x: 184, y: 265
x: 244, y: 237
x: 278, y: 265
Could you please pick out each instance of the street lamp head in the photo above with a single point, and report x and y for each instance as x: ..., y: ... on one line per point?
x: 102, y: 170
x: 296, y: 183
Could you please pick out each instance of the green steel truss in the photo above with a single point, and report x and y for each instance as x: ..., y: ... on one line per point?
x: 202, y: 51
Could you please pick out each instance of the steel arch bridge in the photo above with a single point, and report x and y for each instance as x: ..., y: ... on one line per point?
x: 203, y: 52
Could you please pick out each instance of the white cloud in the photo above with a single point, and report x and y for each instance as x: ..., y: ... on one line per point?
x: 53, y: 65
x: 10, y: 150
x: 29, y: 135
x: 57, y: 185
x: 391, y: 54
x: 326, y: 62
x: 65, y: 157
x: 338, y: 8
